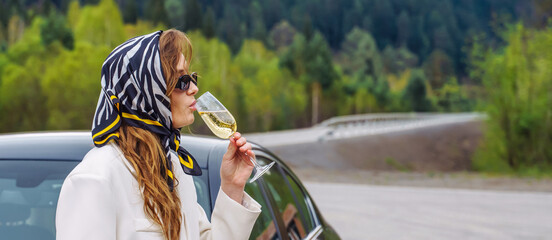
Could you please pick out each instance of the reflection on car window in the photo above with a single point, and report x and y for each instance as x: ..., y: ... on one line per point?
x: 29, y: 192
x: 303, y: 204
x: 264, y: 227
x: 291, y: 204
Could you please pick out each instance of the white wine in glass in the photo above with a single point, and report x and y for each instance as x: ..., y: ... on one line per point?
x: 221, y: 122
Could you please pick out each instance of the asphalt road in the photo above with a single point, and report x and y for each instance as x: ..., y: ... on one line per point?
x: 381, y: 212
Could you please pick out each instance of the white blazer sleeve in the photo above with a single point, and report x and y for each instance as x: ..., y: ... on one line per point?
x: 85, y: 209
x: 230, y: 220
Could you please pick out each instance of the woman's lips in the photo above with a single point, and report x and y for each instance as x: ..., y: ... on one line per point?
x: 193, y: 106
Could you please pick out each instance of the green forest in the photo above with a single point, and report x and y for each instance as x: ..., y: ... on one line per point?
x: 281, y: 64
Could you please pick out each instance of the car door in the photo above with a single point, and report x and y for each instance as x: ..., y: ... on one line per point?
x: 267, y: 226
x: 292, y: 206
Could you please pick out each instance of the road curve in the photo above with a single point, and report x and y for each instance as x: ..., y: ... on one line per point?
x: 377, y: 212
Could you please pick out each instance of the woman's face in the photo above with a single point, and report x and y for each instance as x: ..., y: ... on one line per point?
x: 183, y: 102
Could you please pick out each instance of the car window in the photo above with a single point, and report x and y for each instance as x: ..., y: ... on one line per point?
x: 202, y: 190
x: 264, y: 227
x: 291, y: 203
x: 304, y: 204
x: 29, y: 191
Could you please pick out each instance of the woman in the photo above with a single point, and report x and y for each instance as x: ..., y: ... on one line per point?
x: 136, y: 183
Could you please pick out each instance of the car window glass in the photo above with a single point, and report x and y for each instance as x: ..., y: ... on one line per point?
x: 290, y: 210
x: 202, y: 190
x: 264, y: 227
x: 303, y: 205
x: 29, y: 191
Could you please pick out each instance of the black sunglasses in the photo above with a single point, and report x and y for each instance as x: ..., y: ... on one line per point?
x: 184, y: 81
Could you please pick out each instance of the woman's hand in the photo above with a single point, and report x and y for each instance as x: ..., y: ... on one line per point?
x: 236, y: 167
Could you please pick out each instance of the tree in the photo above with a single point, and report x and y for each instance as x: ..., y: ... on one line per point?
x: 384, y: 27
x: 73, y: 14
x: 359, y: 52
x: 213, y: 61
x: 418, y: 41
x: 361, y: 59
x: 262, y: 77
x: 398, y: 60
x: 311, y: 61
x: 55, y: 28
x: 257, y: 28
x: 231, y: 29
x: 71, y: 86
x: 192, y: 15
x: 274, y: 11
x: 208, y: 29
x: 518, y: 85
x: 100, y: 25
x: 16, y: 27
x: 130, y: 12
x: 403, y: 28
x: 155, y: 11
x: 415, y: 94
x: 281, y: 36
x: 21, y: 68
x: 438, y: 68
x: 175, y: 13
x: 21, y: 98
x: 452, y: 97
x: 543, y: 12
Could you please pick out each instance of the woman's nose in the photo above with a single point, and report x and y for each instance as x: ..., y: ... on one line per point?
x: 193, y: 89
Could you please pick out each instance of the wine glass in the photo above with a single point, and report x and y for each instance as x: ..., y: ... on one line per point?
x: 223, y: 125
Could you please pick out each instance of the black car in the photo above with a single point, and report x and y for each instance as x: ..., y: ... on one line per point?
x: 34, y: 165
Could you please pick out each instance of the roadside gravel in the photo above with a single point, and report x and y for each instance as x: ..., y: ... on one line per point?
x: 457, y: 180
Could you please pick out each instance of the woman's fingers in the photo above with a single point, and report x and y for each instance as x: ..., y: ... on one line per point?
x: 232, y: 146
x: 244, y: 148
x: 241, y: 144
x: 241, y: 141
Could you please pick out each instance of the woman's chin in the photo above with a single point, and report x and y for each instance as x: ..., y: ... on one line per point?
x: 189, y: 122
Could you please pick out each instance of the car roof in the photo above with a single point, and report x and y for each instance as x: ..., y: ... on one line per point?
x: 73, y: 146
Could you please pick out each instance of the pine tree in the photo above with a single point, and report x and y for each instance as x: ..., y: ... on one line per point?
x: 208, y: 28
x: 193, y: 15
x: 415, y: 95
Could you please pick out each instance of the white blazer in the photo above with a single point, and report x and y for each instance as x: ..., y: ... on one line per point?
x: 100, y: 199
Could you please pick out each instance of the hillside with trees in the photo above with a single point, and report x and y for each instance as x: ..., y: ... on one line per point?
x: 281, y: 64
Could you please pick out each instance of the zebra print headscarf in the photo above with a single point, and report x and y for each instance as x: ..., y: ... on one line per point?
x: 133, y: 91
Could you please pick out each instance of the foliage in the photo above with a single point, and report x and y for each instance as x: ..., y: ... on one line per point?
x: 361, y: 59
x: 21, y: 96
x: 281, y: 36
x: 192, y: 16
x: 517, y: 81
x: 415, y: 94
x: 266, y: 89
x: 396, y: 60
x: 453, y: 97
x: 155, y: 12
x: 311, y: 62
x: 175, y: 13
x: 252, y: 84
x: 71, y: 88
x: 275, y: 64
x: 438, y: 68
x: 141, y: 28
x: 208, y: 27
x: 100, y: 25
x: 55, y: 28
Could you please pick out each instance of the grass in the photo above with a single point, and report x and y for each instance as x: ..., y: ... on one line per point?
x: 397, y: 165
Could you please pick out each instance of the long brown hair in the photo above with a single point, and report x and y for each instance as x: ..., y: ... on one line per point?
x: 144, y: 151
